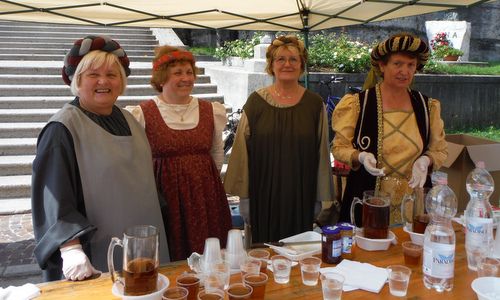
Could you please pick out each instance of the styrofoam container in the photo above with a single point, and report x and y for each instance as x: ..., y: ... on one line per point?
x: 416, y: 238
x: 374, y: 244
x: 161, y: 286
x: 487, y: 288
x: 298, y: 252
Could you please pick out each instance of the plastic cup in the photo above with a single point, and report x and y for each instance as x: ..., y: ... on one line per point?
x: 225, y: 269
x: 412, y: 253
x: 262, y: 255
x: 211, y: 295
x: 309, y: 269
x: 250, y: 266
x: 258, y: 283
x: 175, y: 293
x: 332, y: 284
x: 488, y: 267
x: 281, y: 268
x: 190, y: 282
x: 399, y: 277
x: 238, y: 291
x: 215, y: 281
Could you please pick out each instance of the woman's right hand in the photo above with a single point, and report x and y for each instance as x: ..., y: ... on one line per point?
x: 76, y: 265
x: 368, y: 160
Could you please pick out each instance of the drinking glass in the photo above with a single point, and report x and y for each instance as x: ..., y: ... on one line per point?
x: 399, y: 277
x: 309, y: 269
x: 281, y: 268
x: 332, y: 284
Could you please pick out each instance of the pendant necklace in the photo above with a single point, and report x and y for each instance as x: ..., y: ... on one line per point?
x: 184, y: 112
x: 281, y: 96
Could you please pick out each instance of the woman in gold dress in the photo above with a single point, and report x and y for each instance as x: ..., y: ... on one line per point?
x: 389, y: 134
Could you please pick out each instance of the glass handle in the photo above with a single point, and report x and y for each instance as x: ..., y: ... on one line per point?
x: 405, y: 210
x: 111, y: 266
x: 355, y: 201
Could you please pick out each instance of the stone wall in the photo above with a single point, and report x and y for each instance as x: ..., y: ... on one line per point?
x: 466, y: 101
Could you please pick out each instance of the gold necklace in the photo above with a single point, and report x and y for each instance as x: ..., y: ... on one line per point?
x: 281, y: 96
x: 185, y: 111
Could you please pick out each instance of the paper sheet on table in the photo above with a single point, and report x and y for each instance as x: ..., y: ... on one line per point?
x: 359, y: 275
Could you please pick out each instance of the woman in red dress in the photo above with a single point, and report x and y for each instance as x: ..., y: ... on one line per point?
x: 185, y: 135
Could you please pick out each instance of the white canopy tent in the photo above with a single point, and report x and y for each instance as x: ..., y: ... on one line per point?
x: 271, y: 15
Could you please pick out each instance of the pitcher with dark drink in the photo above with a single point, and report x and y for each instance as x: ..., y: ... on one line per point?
x: 413, y: 209
x: 140, y: 260
x: 375, y: 214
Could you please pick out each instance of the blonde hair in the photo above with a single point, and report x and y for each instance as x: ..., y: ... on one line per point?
x: 160, y: 71
x: 94, y: 60
x: 287, y: 42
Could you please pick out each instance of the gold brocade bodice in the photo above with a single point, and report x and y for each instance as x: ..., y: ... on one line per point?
x: 401, y: 146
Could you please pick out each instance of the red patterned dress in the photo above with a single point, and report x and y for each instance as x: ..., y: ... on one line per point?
x: 195, y: 203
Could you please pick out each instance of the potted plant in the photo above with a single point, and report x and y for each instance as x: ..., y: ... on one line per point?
x: 443, y: 49
x: 447, y: 53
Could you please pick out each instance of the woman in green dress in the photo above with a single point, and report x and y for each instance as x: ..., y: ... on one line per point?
x: 280, y: 165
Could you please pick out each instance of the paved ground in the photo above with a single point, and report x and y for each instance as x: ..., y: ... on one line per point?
x: 17, y: 264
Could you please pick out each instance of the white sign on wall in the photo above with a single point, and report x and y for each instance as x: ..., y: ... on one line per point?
x: 458, y: 33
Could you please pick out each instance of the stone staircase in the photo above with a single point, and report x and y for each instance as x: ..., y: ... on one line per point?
x: 31, y: 91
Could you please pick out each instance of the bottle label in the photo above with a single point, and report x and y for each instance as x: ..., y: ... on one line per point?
x: 479, y: 231
x: 346, y: 244
x: 336, y: 248
x: 439, y: 260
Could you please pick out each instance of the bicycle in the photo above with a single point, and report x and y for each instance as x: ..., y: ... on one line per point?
x: 331, y: 101
x: 229, y: 133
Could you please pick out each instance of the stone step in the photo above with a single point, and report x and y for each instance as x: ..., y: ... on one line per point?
x: 16, y: 206
x: 54, y: 68
x: 26, y: 115
x: 18, y: 79
x: 43, y: 27
x: 18, y: 186
x: 74, y: 35
x: 17, y: 146
x: 16, y: 165
x: 20, y: 130
x: 71, y: 40
x: 21, y: 102
x: 17, y: 43
x: 64, y: 90
x: 60, y: 57
x: 56, y: 51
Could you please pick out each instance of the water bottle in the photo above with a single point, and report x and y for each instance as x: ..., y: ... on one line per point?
x: 478, y: 215
x: 439, y: 237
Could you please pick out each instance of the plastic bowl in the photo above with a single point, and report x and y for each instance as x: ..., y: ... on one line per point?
x: 487, y: 288
x: 416, y: 238
x: 374, y: 244
x: 162, y: 285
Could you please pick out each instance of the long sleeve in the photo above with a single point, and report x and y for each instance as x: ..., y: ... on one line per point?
x: 136, y: 111
x: 220, y: 120
x: 57, y: 198
x: 438, y: 148
x: 236, y: 180
x: 344, y: 121
x: 324, y: 190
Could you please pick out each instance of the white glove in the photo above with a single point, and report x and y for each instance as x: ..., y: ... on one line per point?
x: 370, y: 164
x: 245, y: 210
x: 76, y: 265
x: 419, y: 172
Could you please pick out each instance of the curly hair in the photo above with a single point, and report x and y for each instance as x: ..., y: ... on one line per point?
x: 165, y: 57
x: 287, y: 41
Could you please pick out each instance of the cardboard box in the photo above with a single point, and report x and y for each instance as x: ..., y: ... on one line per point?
x: 463, y: 152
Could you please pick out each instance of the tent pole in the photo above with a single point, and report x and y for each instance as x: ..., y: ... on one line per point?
x: 305, y: 30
